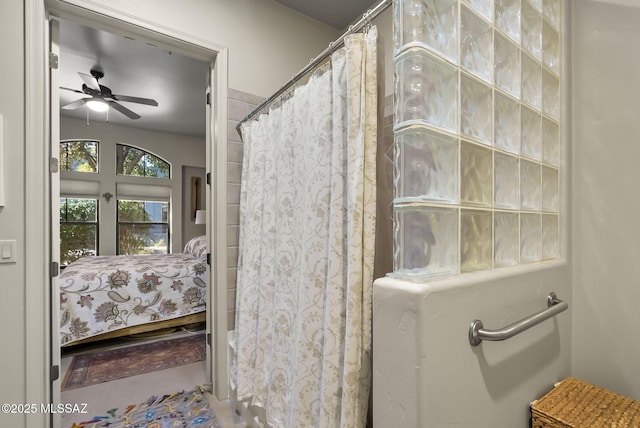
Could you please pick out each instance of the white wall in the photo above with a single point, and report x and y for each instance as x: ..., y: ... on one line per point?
x: 12, y: 276
x: 179, y: 150
x: 427, y: 375
x: 606, y: 152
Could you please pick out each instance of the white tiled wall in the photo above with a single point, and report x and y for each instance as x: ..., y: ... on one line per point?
x: 240, y: 104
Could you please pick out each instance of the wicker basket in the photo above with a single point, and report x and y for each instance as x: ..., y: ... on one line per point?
x: 573, y: 403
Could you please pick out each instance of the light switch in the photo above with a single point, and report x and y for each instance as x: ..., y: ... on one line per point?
x: 8, y: 251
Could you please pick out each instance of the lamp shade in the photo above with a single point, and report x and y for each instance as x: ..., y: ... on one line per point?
x: 201, y: 216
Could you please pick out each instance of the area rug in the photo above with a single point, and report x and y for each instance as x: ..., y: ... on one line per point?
x: 105, y: 366
x: 181, y: 409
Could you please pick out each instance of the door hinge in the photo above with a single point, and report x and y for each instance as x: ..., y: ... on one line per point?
x: 209, y: 339
x: 209, y: 259
x: 53, y: 60
x: 208, y: 178
x: 55, y: 373
x: 208, y: 98
x: 54, y: 165
x: 54, y: 269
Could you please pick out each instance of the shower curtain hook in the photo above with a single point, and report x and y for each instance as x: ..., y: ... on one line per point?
x: 367, y: 20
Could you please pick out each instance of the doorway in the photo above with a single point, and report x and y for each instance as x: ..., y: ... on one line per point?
x: 215, y: 154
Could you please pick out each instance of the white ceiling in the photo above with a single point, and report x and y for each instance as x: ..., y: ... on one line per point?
x: 176, y: 82
x: 136, y: 69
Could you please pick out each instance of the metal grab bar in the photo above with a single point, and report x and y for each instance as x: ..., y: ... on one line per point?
x: 477, y: 333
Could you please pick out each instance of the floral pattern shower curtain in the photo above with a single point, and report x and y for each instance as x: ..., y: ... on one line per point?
x: 307, y: 225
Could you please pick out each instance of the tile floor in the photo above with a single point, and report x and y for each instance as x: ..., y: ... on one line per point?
x: 135, y: 389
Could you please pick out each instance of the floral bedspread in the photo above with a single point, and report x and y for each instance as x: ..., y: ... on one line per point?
x: 106, y: 293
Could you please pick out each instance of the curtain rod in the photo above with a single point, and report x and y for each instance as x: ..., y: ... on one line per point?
x: 333, y: 46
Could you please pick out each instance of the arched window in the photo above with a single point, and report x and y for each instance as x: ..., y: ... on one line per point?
x: 134, y: 161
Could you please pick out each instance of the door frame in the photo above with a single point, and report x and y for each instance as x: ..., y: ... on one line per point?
x: 38, y: 142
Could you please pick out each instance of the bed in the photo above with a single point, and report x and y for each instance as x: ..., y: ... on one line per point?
x: 109, y: 296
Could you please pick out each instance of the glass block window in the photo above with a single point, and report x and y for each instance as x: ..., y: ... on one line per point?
x: 134, y: 161
x: 477, y: 134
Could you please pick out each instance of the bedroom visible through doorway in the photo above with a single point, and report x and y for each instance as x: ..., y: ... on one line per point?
x: 132, y: 206
x: 122, y: 184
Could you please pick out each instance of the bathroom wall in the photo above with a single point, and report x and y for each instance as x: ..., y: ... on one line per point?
x: 426, y: 373
x: 384, y: 23
x: 383, y: 262
x: 439, y: 380
x: 240, y: 104
x: 606, y: 90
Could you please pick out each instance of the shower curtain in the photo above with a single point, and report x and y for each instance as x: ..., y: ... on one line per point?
x: 307, y: 230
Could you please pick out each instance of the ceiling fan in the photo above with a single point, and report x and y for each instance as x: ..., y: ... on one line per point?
x: 101, y: 97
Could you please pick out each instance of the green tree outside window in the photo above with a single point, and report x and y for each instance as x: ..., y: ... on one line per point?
x: 78, y: 228
x: 143, y: 227
x: 80, y: 156
x: 133, y: 161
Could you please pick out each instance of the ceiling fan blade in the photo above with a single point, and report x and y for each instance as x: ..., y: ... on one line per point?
x: 75, y: 104
x: 122, y: 109
x: 146, y: 101
x: 90, y: 81
x: 72, y: 90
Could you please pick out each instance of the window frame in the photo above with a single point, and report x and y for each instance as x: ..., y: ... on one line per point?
x: 145, y: 153
x: 151, y: 223
x: 78, y: 140
x: 95, y: 223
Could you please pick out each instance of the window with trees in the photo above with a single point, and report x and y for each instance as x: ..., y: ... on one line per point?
x: 78, y: 228
x: 79, y: 156
x: 142, y: 208
x: 134, y: 161
x: 143, y: 227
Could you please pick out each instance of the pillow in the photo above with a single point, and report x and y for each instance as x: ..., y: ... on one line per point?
x: 197, y: 247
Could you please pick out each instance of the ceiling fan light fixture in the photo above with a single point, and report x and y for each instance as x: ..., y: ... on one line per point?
x: 102, y: 99
x: 97, y: 105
